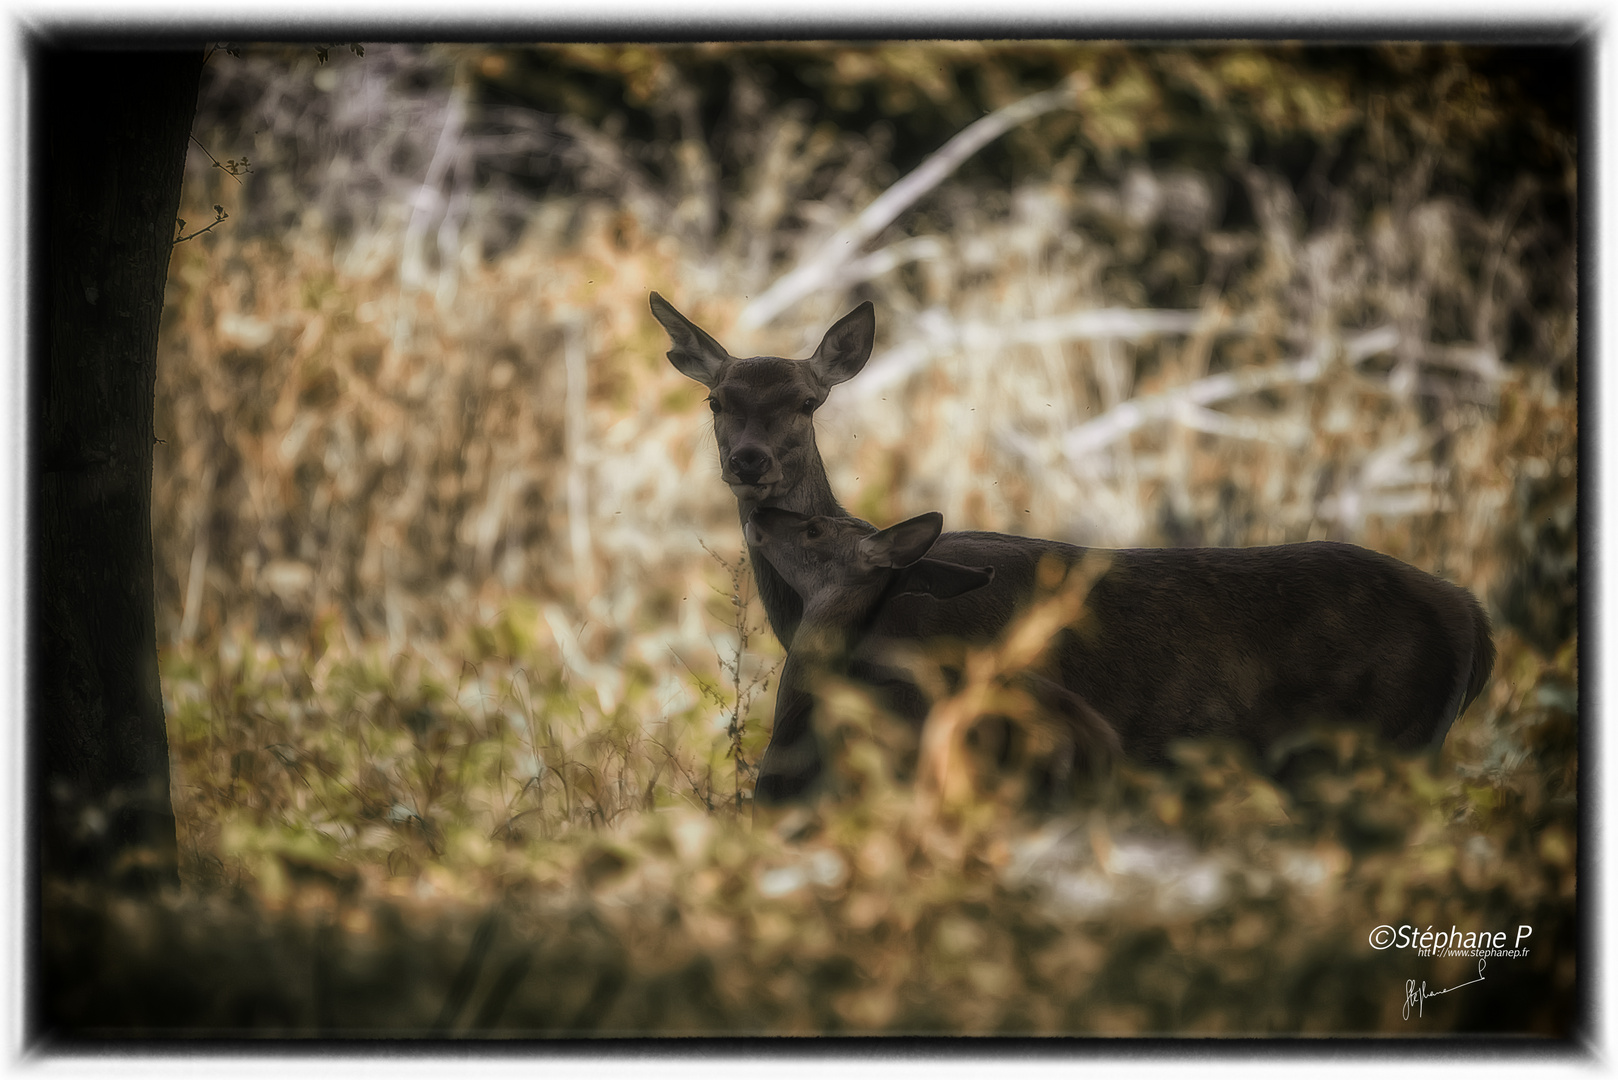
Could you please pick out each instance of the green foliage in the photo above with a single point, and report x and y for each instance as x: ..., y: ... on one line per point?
x: 1206, y: 899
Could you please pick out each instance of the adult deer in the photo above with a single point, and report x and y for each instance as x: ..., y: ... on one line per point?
x: 763, y: 418
x: 1246, y: 642
x: 852, y: 578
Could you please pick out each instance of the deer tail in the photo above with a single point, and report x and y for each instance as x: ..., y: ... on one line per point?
x: 1473, y: 675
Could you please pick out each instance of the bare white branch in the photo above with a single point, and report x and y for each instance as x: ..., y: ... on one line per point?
x: 1130, y: 415
x: 1188, y: 404
x: 940, y: 337
x: 1212, y: 422
x: 574, y: 436
x: 1396, y: 480
x: 822, y: 267
x: 894, y: 255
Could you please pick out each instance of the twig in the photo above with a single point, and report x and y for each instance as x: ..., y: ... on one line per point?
x: 710, y: 690
x: 576, y: 419
x: 670, y: 758
x: 823, y: 267
x: 607, y: 679
x: 229, y: 170
x: 219, y: 215
x: 429, y: 199
x: 706, y: 801
x: 741, y: 694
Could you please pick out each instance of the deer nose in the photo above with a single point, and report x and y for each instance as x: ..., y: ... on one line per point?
x: 749, y: 463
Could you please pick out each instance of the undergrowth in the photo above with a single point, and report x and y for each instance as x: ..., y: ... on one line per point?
x: 464, y: 709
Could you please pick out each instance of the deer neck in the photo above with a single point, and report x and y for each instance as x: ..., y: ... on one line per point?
x: 824, y: 639
x: 812, y: 494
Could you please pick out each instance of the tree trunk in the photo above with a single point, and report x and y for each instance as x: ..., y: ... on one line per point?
x: 112, y: 128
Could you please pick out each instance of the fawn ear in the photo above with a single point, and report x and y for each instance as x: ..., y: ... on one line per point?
x: 942, y: 580
x: 695, y: 352
x: 846, y: 346
x: 904, y: 543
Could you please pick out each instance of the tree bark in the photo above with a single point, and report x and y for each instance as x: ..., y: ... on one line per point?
x: 112, y: 130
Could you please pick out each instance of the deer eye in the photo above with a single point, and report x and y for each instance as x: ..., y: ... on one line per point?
x: 809, y: 405
x: 812, y: 531
x: 713, y: 403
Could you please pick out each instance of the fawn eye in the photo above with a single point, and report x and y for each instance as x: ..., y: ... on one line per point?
x: 713, y: 403
x: 809, y: 405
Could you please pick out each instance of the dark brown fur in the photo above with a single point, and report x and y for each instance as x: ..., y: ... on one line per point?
x: 1245, y: 643
x: 1240, y: 643
x: 763, y: 410
x: 850, y: 576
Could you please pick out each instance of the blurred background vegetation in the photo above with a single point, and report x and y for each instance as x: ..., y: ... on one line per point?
x: 460, y: 662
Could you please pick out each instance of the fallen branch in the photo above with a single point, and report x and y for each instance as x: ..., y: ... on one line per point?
x: 1126, y: 416
x: 823, y: 267
x: 1213, y: 422
x: 894, y: 255
x: 941, y: 337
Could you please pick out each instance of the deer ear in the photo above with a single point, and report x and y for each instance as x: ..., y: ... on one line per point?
x: 943, y: 580
x: 846, y: 346
x: 904, y: 543
x: 695, y: 352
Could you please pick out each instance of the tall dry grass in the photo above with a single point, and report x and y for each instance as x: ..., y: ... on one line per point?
x: 436, y: 523
x: 370, y: 420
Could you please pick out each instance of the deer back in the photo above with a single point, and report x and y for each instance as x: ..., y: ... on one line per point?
x: 1240, y: 643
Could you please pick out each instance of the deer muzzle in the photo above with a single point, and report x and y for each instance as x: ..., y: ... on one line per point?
x: 749, y: 465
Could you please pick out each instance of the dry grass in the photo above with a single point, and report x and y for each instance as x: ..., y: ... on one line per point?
x: 441, y: 630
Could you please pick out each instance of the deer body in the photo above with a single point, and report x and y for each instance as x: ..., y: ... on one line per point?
x: 1240, y: 643
x: 1246, y: 644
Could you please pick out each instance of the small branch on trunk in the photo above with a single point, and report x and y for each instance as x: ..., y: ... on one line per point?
x: 219, y: 215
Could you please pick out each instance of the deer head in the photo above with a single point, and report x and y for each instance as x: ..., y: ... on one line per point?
x: 764, y: 407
